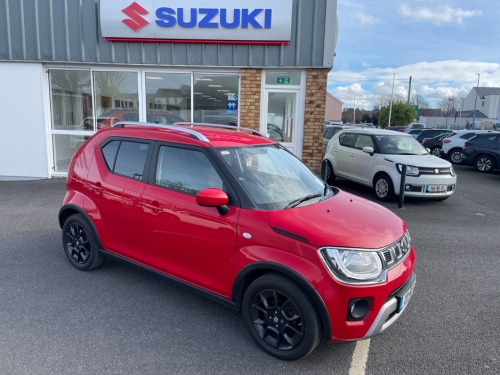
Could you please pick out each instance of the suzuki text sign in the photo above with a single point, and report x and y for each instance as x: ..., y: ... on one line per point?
x: 197, y: 20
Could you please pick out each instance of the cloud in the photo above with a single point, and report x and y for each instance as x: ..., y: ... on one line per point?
x: 433, y: 80
x: 438, y: 15
x: 367, y: 19
x: 365, y: 64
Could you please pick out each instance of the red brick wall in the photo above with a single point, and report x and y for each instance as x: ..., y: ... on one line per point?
x: 251, y: 82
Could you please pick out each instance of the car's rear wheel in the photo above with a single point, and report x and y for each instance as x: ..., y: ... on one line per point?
x: 384, y: 189
x: 456, y: 156
x: 280, y: 317
x: 436, y: 151
x: 484, y: 164
x: 80, y: 244
x: 327, y: 172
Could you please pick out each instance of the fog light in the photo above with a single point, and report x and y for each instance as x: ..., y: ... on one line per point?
x: 357, y: 309
x: 408, y: 187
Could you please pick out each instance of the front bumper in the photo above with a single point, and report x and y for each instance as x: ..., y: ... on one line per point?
x: 392, y: 309
x: 422, y: 186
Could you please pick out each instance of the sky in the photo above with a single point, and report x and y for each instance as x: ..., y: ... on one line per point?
x: 442, y: 44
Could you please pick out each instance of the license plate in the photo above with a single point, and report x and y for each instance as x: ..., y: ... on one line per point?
x: 403, y: 302
x: 433, y: 189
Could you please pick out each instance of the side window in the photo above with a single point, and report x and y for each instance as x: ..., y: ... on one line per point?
x: 467, y: 136
x: 347, y: 140
x: 185, y: 171
x: 109, y: 153
x: 336, y: 131
x: 131, y: 159
x: 329, y: 133
x: 363, y: 141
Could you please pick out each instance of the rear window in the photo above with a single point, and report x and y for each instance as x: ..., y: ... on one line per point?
x: 467, y: 136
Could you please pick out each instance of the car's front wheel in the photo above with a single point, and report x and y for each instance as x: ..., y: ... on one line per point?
x: 80, y: 244
x: 280, y: 317
x: 384, y: 189
x: 327, y: 172
x: 484, y: 164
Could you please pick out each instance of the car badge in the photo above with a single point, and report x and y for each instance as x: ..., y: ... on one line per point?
x: 437, y: 171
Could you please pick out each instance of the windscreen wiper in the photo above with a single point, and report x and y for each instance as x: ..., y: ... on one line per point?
x: 296, y: 202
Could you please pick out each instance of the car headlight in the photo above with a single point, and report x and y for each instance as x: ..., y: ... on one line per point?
x: 353, y: 264
x: 410, y: 171
x: 452, y: 171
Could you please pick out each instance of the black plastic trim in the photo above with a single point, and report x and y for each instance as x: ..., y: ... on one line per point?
x: 240, y: 280
x: 84, y: 214
x: 212, y: 296
x: 291, y: 235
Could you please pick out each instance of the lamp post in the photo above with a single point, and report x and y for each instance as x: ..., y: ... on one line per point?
x: 392, y: 96
x: 354, y: 122
x: 452, y: 100
x: 475, y: 103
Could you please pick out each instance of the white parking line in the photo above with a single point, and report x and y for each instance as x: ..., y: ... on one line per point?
x: 359, y: 358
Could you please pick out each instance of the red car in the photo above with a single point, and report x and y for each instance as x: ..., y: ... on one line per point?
x: 114, y: 115
x: 238, y: 218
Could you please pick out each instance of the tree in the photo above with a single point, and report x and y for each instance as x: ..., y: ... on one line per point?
x: 450, y: 105
x: 366, y: 118
x: 402, y: 114
x: 420, y: 101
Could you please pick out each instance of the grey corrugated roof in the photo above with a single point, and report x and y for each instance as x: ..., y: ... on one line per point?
x: 487, y: 91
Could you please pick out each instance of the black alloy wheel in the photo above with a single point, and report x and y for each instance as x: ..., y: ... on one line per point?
x: 384, y: 189
x: 484, y: 164
x: 280, y: 317
x: 80, y: 245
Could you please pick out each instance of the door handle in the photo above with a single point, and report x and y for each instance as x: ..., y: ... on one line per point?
x: 154, y: 207
x: 97, y: 187
x: 351, y: 155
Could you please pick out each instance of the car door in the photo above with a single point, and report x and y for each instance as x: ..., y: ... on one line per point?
x: 363, y: 162
x: 115, y: 185
x: 190, y: 242
x: 343, y: 155
x: 328, y: 134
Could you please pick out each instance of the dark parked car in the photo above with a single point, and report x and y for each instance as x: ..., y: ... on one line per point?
x: 397, y: 128
x: 483, y: 151
x: 435, y: 144
x: 431, y: 133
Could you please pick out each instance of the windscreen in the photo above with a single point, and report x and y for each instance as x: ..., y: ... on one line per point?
x: 274, y: 178
x: 400, y: 145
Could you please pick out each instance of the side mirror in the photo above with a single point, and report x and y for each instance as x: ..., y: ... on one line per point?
x: 213, y: 198
x: 369, y: 150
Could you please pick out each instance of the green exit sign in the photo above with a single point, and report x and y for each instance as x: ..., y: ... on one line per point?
x: 283, y: 80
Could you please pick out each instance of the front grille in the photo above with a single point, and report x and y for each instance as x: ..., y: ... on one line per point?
x: 441, y: 171
x: 395, y: 253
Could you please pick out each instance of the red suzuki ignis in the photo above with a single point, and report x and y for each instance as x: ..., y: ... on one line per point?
x: 237, y: 217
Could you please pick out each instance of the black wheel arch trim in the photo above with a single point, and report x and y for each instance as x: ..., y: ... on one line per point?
x: 82, y: 212
x: 240, y: 281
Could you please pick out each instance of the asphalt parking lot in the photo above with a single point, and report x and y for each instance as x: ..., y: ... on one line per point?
x: 119, y: 319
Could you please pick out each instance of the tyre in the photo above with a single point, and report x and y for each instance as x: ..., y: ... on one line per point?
x: 384, y: 189
x: 456, y: 156
x: 436, y: 151
x: 484, y: 164
x: 280, y: 317
x: 80, y: 244
x: 327, y: 173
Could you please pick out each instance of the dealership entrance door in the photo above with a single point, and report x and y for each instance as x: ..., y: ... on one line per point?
x: 283, y: 122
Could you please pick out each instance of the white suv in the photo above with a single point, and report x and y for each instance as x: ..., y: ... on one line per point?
x: 376, y: 157
x: 453, y: 145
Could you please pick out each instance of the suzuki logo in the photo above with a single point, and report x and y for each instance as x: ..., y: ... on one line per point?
x: 134, y: 11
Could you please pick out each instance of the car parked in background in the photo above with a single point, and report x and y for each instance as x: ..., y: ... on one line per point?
x: 330, y: 131
x: 236, y: 217
x: 417, y: 125
x: 453, y: 145
x: 115, y: 115
x: 413, y: 132
x: 375, y: 158
x: 483, y: 151
x: 435, y: 144
x: 397, y: 128
x: 431, y: 133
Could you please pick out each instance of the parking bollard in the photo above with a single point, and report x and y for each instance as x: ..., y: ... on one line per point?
x: 402, y: 186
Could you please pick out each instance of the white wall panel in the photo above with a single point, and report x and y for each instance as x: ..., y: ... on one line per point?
x: 23, y: 139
